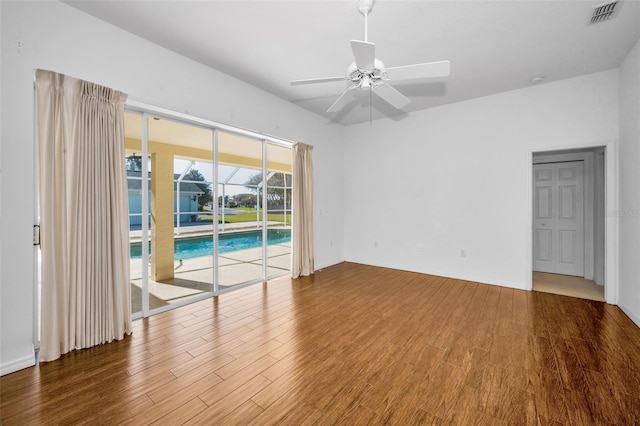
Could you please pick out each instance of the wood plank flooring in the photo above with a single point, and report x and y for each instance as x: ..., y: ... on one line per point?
x: 352, y: 345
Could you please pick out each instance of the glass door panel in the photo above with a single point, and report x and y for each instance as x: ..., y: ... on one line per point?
x: 240, y: 257
x: 181, y: 251
x: 135, y: 180
x: 278, y: 210
x: 193, y: 239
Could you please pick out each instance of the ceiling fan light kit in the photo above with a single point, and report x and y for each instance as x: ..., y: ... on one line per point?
x: 369, y: 73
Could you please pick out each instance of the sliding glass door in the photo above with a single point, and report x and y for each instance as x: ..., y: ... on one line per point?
x: 209, y: 210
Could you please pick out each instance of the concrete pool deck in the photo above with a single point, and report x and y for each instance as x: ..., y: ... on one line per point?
x: 205, y: 229
x: 195, y: 276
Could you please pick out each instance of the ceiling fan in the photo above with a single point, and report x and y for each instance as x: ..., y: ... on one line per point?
x: 369, y: 73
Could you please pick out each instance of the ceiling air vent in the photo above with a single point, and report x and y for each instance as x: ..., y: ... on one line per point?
x: 605, y: 11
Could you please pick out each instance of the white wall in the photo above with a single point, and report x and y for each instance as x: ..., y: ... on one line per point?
x: 455, y: 178
x: 629, y: 190
x: 54, y: 36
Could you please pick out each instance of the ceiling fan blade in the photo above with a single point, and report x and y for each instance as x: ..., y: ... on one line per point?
x: 391, y: 95
x: 364, y: 53
x: 342, y: 100
x: 317, y: 80
x: 426, y: 70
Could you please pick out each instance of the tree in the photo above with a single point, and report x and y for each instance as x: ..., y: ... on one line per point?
x: 275, y: 192
x: 226, y: 200
x: 195, y: 175
x: 252, y: 182
x: 134, y: 163
x: 245, y: 200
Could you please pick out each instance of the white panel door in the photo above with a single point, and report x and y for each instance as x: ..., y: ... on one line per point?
x: 558, y: 218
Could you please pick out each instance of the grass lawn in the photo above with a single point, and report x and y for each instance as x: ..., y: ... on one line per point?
x: 250, y: 216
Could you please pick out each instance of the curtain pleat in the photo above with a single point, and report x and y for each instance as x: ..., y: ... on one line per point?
x: 302, y: 238
x: 83, y: 214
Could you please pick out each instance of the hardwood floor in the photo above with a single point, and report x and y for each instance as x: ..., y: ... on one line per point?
x: 353, y: 345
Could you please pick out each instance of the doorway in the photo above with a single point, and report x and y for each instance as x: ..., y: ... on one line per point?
x: 568, y: 222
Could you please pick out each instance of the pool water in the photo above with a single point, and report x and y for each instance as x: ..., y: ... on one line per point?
x: 190, y: 247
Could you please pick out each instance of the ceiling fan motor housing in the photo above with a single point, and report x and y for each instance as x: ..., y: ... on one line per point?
x: 357, y: 75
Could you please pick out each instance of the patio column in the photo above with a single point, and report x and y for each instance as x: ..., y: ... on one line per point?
x: 161, y: 216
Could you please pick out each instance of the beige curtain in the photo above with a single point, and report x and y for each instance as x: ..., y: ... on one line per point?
x: 83, y: 214
x: 302, y: 256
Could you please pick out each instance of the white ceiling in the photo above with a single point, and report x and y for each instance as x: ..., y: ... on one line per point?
x: 493, y: 46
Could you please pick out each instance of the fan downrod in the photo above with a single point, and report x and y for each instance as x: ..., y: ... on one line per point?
x: 365, y: 6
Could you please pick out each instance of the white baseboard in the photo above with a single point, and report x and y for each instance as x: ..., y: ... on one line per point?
x: 448, y: 274
x: 18, y: 364
x: 628, y: 312
x: 326, y: 265
x: 477, y: 279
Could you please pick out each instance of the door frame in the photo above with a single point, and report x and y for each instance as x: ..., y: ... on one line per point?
x: 611, y: 222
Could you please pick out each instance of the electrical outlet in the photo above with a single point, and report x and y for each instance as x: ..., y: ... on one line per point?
x: 375, y: 244
x: 420, y: 248
x: 463, y: 253
x: 331, y: 243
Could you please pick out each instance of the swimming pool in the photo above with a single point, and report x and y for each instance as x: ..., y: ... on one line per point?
x: 190, y: 247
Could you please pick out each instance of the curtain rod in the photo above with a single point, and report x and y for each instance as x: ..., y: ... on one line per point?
x: 139, y: 106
